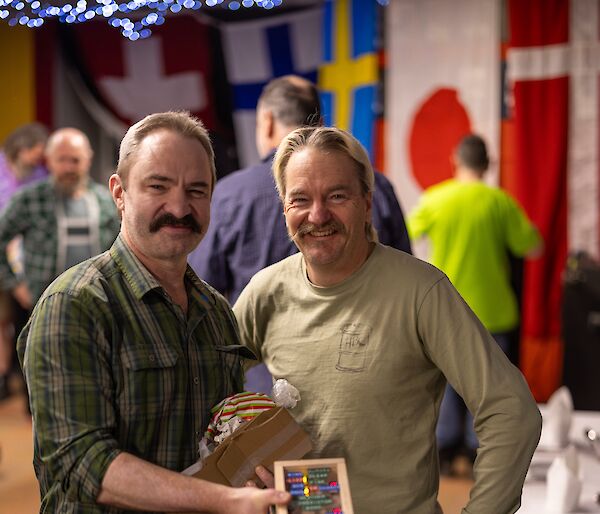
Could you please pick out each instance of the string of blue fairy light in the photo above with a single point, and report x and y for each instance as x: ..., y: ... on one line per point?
x: 33, y: 13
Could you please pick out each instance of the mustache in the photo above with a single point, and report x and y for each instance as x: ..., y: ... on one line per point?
x: 307, y: 228
x: 168, y: 220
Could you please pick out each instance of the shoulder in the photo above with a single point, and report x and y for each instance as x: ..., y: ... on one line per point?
x: 100, y: 190
x: 395, y: 273
x: 382, y: 182
x: 276, y: 277
x: 442, y: 187
x: 88, y: 278
x: 209, y: 294
x: 404, y: 265
x: 40, y: 191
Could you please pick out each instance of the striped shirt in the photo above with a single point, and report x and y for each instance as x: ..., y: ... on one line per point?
x: 112, y: 364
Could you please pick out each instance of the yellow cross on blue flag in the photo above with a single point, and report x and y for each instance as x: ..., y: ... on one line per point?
x: 349, y: 74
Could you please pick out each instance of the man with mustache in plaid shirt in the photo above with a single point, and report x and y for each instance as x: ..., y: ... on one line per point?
x: 126, y: 353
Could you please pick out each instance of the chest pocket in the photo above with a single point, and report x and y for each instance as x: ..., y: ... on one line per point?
x: 152, y: 379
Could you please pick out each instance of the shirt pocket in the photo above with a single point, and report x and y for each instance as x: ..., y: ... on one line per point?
x: 152, y: 380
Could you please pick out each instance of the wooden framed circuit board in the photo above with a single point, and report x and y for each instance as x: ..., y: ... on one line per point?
x: 317, y: 486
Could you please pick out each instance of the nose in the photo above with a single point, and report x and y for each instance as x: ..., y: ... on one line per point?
x: 178, y: 203
x: 318, y: 213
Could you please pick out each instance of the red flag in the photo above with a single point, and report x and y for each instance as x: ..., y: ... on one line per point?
x: 539, y: 74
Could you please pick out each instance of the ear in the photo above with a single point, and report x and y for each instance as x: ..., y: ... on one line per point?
x: 269, y: 123
x: 117, y: 191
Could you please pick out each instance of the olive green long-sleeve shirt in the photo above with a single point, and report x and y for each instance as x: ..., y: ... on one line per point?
x: 370, y: 357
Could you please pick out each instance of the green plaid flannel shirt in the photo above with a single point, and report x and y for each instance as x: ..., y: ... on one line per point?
x: 112, y: 364
x: 31, y: 213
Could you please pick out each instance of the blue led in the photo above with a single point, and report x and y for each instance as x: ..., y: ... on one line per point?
x: 33, y: 11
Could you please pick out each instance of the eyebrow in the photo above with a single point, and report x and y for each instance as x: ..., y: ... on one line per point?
x: 163, y: 178
x: 336, y: 187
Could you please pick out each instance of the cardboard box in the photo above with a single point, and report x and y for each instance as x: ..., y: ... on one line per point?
x: 272, y: 435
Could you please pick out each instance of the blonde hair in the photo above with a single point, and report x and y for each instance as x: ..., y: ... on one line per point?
x: 180, y: 122
x: 326, y: 139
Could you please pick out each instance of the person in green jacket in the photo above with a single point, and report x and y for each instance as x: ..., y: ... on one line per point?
x: 472, y: 227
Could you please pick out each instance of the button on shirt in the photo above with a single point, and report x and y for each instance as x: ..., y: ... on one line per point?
x: 112, y: 364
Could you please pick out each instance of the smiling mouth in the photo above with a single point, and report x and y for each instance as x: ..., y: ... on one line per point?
x: 321, y: 233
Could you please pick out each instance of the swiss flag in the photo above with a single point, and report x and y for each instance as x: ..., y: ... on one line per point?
x: 171, y: 70
x: 553, y: 70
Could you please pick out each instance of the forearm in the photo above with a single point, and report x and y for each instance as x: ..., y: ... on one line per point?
x: 507, y: 442
x: 133, y: 483
x: 10, y: 227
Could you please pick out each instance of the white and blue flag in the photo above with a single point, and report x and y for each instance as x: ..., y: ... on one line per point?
x: 260, y: 50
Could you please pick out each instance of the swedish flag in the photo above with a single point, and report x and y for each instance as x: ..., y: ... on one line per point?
x: 349, y: 75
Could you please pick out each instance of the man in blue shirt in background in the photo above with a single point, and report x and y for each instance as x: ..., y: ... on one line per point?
x: 247, y: 230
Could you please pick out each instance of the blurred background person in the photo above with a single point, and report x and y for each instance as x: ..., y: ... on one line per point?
x: 63, y: 220
x: 21, y: 163
x: 247, y: 231
x: 472, y: 227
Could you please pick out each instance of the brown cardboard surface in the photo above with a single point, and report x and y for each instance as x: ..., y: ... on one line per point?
x: 272, y: 435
